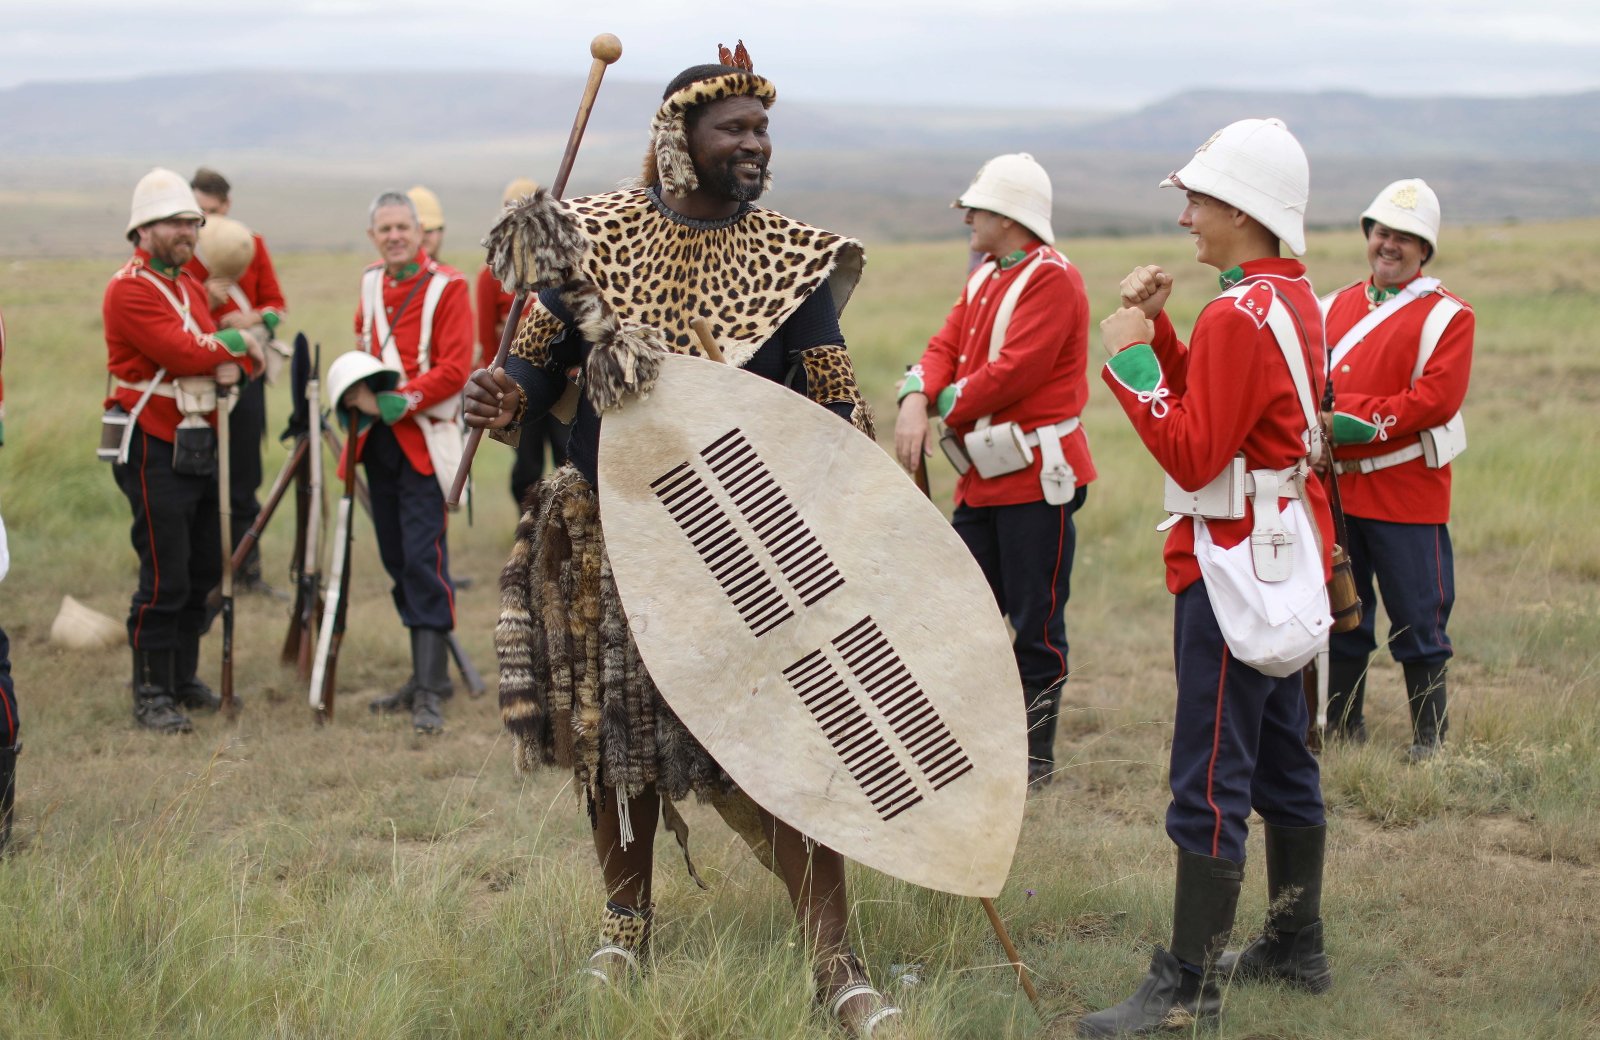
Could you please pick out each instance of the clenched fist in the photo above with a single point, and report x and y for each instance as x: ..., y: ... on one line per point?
x: 1126, y: 327
x: 1146, y: 288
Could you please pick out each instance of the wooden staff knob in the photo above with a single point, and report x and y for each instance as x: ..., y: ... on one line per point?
x: 606, y: 48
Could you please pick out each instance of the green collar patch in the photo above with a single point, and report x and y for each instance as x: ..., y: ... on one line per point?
x: 407, y: 272
x: 1381, y: 296
x: 1006, y: 263
x: 1230, y: 278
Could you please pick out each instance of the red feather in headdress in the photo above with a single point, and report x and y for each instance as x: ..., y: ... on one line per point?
x: 738, y: 58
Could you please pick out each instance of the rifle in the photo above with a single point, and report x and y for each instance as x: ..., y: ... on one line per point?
x: 302, y: 635
x: 225, y: 515
x: 337, y: 607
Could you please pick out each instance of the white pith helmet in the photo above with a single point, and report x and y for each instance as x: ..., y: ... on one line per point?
x: 357, y: 366
x: 1255, y: 165
x: 430, y: 215
x: 226, y: 247
x: 1014, y: 186
x: 1407, y: 205
x: 161, y: 194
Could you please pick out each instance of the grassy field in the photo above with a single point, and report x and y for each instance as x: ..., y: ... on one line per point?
x: 270, y: 878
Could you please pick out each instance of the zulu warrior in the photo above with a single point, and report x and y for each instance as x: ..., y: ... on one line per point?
x: 1234, y: 411
x: 620, y: 276
x: 1401, y: 355
x: 166, y: 359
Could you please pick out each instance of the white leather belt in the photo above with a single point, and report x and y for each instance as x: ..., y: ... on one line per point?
x: 1377, y: 462
x: 1288, y: 486
x: 1061, y: 429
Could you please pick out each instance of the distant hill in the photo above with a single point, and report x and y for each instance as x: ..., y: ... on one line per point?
x: 307, y: 150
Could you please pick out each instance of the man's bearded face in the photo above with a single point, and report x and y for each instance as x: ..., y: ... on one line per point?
x: 730, y: 148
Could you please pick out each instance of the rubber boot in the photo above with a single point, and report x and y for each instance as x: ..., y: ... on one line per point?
x: 1425, y: 693
x: 1044, y: 708
x: 188, y: 691
x: 8, y: 792
x: 154, y: 706
x: 1289, y: 948
x: 1347, y: 694
x: 430, y: 664
x: 401, y: 699
x: 1171, y: 995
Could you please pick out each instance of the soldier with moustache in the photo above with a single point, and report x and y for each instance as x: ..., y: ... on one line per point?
x: 1238, y: 740
x: 413, y: 328
x: 1401, y: 355
x: 253, y: 301
x: 169, y: 365
x: 1013, y: 356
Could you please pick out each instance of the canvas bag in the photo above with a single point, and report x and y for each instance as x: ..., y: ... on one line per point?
x: 1275, y: 627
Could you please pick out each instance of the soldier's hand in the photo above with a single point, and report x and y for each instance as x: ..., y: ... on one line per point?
x: 228, y: 373
x: 361, y: 398
x: 912, y: 432
x: 1126, y: 327
x: 1146, y: 288
x: 217, y: 291
x: 491, y: 399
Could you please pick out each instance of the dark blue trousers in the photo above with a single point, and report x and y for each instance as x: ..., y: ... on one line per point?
x: 1416, y: 574
x: 10, y: 721
x: 528, y: 469
x: 177, y: 532
x: 409, y: 517
x: 1025, y: 552
x: 1238, y: 742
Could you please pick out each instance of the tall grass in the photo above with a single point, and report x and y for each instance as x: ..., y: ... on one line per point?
x: 271, y: 878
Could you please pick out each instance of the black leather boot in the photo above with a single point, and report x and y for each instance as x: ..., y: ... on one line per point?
x: 401, y: 699
x: 188, y: 691
x: 1425, y: 693
x: 1289, y: 948
x: 8, y: 792
x: 430, y: 665
x: 1347, y: 693
x: 1044, y: 708
x: 1170, y: 995
x: 154, y: 705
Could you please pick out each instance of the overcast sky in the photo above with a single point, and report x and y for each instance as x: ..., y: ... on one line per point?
x: 1099, y: 54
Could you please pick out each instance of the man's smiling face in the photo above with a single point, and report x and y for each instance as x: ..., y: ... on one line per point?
x: 730, y: 148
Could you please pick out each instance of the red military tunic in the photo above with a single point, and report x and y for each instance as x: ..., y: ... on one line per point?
x: 449, y: 351
x: 145, y: 332
x: 258, y: 284
x: 1039, y: 379
x: 494, y: 306
x: 1228, y: 391
x: 1377, y: 408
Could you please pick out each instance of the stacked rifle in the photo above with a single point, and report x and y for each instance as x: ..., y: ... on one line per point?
x: 318, y: 618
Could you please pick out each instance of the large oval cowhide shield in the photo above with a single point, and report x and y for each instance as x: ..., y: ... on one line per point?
x: 817, y: 624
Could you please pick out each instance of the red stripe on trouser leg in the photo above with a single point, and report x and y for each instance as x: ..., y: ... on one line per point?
x: 1216, y: 744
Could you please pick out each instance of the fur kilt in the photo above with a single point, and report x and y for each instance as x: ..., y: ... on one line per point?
x: 573, y: 690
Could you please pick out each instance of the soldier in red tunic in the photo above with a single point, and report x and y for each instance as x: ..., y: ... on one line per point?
x: 1247, y: 384
x: 167, y: 359
x: 1401, y: 354
x: 1012, y: 361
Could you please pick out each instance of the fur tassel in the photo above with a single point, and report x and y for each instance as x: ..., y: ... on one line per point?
x: 536, y: 244
x: 669, y: 145
x: 625, y: 360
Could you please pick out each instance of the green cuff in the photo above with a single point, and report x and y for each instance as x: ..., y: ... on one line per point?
x: 392, y: 406
x: 946, y: 401
x: 271, y: 319
x: 1136, y: 368
x: 234, y: 341
x: 1347, y: 429
x: 912, y: 385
